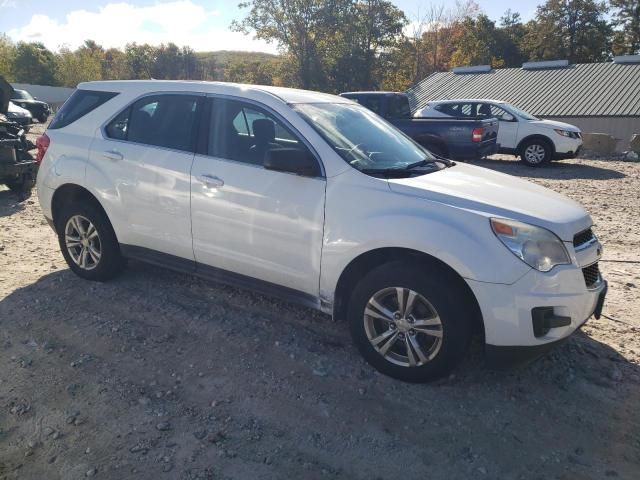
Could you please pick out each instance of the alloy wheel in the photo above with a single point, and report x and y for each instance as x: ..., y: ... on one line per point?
x: 403, y: 326
x: 83, y: 242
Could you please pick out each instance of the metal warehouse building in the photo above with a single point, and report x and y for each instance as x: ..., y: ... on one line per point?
x: 596, y: 97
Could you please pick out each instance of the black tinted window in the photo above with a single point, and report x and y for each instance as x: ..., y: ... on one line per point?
x: 78, y: 105
x: 399, y: 107
x: 245, y: 133
x: 161, y: 120
x: 21, y: 95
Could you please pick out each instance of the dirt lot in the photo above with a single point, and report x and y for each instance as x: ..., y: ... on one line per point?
x: 160, y: 375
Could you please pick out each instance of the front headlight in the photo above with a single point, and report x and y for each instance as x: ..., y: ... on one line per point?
x: 535, y: 246
x: 564, y: 133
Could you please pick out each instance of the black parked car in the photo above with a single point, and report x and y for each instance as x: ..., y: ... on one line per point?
x: 39, y: 110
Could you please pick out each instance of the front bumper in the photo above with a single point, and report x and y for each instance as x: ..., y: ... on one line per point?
x: 567, y: 147
x: 505, y: 355
x: 507, y: 309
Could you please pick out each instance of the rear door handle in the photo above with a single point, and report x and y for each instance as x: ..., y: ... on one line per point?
x: 210, y: 180
x: 112, y: 155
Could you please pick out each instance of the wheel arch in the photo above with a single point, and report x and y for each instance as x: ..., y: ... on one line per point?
x: 68, y: 193
x: 365, y: 262
x: 537, y: 136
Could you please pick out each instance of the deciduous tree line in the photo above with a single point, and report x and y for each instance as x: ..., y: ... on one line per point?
x: 338, y: 45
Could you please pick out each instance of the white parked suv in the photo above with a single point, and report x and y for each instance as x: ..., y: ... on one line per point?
x: 318, y: 200
x: 536, y: 141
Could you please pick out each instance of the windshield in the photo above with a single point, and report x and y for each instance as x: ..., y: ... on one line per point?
x: 521, y: 113
x: 364, y: 140
x: 21, y: 95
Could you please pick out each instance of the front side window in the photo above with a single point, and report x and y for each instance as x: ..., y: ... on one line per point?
x: 501, y: 114
x: 160, y: 120
x: 364, y: 140
x: 245, y: 133
x: 21, y: 95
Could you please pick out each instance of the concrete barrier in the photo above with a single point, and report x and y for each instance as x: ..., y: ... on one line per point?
x: 54, y: 96
x: 601, y: 143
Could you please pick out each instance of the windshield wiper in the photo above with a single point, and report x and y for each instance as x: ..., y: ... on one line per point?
x: 427, y: 161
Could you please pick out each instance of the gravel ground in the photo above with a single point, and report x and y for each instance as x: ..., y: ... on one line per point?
x: 161, y: 375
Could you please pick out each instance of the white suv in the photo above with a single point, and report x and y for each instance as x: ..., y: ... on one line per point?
x: 318, y: 200
x: 536, y: 141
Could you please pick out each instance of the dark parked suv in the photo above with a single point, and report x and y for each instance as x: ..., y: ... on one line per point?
x: 39, y: 110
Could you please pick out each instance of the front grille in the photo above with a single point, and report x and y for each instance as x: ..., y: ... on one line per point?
x: 583, y: 237
x: 591, y: 275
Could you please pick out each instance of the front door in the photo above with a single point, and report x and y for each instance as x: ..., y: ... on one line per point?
x: 508, y: 128
x: 259, y: 223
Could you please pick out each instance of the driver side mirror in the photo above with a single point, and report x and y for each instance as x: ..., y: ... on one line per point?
x: 291, y: 160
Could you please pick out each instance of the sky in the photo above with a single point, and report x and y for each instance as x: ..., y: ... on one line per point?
x: 200, y: 24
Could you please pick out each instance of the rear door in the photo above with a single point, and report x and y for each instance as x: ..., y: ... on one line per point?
x: 146, y: 152
x: 248, y: 220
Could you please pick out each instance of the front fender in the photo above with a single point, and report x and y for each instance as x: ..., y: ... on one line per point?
x: 380, y: 218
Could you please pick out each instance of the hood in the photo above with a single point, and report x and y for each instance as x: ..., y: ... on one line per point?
x: 13, y: 108
x: 494, y: 194
x: 555, y: 124
x: 5, y: 94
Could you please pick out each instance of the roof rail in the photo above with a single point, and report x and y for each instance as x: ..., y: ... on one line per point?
x: 545, y: 65
x: 473, y: 69
x: 626, y: 59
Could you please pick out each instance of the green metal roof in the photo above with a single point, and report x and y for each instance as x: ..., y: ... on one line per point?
x: 582, y: 90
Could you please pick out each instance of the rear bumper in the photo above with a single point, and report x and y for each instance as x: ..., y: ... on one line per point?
x: 477, y: 151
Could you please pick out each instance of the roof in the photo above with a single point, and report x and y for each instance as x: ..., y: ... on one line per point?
x: 582, y: 90
x: 287, y: 95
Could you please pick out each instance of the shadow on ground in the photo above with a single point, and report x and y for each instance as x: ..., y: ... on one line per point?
x: 162, y: 374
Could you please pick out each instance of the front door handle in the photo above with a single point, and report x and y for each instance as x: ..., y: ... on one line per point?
x: 113, y: 155
x: 211, y: 180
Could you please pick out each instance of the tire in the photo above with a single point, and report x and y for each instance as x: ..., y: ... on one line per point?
x: 536, y: 152
x: 23, y: 187
x: 436, y: 298
x: 102, y: 260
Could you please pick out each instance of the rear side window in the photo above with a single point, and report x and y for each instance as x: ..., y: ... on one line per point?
x: 78, y: 105
x: 161, y: 120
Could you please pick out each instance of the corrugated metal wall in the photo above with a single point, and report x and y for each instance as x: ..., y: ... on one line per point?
x: 620, y: 127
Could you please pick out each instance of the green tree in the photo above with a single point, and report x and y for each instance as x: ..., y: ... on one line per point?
x: 478, y: 42
x: 626, y: 17
x: 115, y: 65
x: 140, y: 60
x: 569, y: 29
x: 371, y: 27
x: 301, y: 28
x: 7, y: 57
x: 81, y: 65
x: 34, y: 64
x: 511, y: 33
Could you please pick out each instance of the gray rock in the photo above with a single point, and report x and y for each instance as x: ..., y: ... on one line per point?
x: 163, y: 426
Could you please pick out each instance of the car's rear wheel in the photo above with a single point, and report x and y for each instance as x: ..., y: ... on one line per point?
x: 409, y: 323
x: 536, y: 152
x: 88, y: 242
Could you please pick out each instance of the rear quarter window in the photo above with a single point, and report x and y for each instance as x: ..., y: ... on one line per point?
x: 78, y: 105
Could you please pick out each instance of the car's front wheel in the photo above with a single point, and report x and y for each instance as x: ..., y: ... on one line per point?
x: 536, y: 152
x: 409, y: 323
x: 88, y: 242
